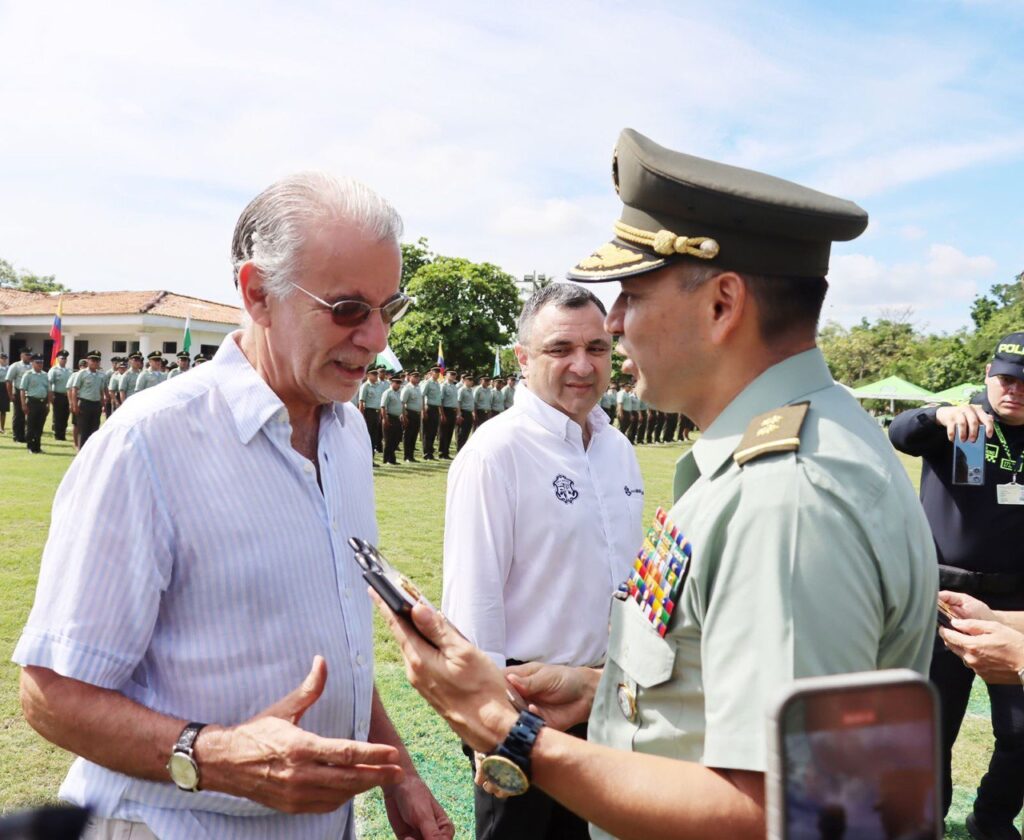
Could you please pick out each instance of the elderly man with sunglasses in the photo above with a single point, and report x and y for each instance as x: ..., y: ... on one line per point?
x: 172, y: 650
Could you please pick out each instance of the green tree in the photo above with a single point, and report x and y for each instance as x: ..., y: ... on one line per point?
x: 470, y: 307
x: 869, y: 351
x: 26, y: 281
x: 999, y: 312
x: 415, y: 255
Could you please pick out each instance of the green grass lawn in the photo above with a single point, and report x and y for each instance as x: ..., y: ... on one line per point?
x: 410, y: 508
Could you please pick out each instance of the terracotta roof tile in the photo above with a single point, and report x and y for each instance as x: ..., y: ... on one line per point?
x: 13, y: 302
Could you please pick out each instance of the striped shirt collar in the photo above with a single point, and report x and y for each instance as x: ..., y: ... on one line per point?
x: 251, y: 401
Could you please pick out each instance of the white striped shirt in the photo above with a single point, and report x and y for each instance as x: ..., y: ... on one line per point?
x: 210, y: 608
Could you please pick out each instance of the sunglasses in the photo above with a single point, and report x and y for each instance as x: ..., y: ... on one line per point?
x: 352, y: 313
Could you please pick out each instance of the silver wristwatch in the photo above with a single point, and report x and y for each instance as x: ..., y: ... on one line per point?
x: 182, y: 764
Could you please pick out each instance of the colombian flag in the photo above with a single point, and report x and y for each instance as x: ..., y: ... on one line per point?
x: 440, y: 357
x: 55, y: 332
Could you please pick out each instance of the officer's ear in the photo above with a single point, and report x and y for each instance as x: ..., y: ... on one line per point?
x: 988, y: 367
x: 727, y: 304
x: 254, y: 296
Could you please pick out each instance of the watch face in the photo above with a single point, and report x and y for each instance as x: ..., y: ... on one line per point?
x: 183, y: 770
x: 505, y: 775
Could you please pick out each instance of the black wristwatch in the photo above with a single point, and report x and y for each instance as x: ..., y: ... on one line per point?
x: 508, y: 767
x: 182, y: 765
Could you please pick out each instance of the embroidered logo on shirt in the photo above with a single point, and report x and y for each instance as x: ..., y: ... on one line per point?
x: 631, y: 492
x: 565, y: 490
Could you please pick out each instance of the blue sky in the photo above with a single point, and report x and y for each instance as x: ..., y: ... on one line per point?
x: 134, y: 133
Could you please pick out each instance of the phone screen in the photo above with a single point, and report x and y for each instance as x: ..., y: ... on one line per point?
x: 860, y: 763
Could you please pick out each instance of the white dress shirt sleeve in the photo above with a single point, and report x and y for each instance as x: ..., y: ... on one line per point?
x: 478, y: 550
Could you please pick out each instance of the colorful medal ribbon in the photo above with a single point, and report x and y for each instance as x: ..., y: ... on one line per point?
x: 659, y: 571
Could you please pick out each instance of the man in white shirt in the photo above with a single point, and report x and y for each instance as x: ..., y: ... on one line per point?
x: 543, y: 520
x: 174, y: 614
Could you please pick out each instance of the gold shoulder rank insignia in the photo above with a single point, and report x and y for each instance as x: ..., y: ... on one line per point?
x: 777, y: 430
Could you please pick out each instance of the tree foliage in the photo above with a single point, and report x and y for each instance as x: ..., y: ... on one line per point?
x: 471, y: 308
x: 26, y: 281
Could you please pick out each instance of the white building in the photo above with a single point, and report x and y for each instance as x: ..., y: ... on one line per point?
x: 115, y: 323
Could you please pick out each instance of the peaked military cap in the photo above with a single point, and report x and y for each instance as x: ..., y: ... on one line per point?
x: 136, y: 355
x: 94, y: 354
x: 678, y: 206
x: 37, y: 358
x: 396, y: 378
x: 27, y: 351
x: 184, y: 355
x: 64, y: 353
x: 199, y: 358
x: 156, y: 354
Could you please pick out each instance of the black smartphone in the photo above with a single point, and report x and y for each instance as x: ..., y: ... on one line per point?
x: 945, y: 616
x: 855, y: 755
x: 401, y: 595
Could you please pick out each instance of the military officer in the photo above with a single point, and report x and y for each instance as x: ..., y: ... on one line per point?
x: 509, y: 392
x: 467, y: 403
x: 108, y: 376
x: 671, y: 421
x: 199, y: 359
x: 641, y: 419
x: 412, y: 414
x: 5, y: 399
x: 431, y: 389
x: 58, y: 377
x: 35, y: 402
x: 126, y: 386
x: 14, y: 374
x: 483, y: 398
x: 625, y: 411
x: 449, y: 412
x: 114, y: 385
x: 370, y: 393
x: 153, y: 375
x: 87, y: 400
x: 391, y: 416
x: 608, y: 401
x: 72, y: 404
x: 722, y: 273
x: 497, y: 397
x: 184, y: 363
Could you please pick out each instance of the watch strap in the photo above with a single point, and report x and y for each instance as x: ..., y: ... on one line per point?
x: 519, y: 742
x: 187, y: 738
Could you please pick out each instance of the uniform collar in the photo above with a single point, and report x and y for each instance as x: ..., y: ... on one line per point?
x: 250, y: 399
x: 783, y: 383
x: 555, y: 421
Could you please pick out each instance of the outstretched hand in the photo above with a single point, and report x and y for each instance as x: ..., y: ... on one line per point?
x: 456, y: 678
x: 271, y: 760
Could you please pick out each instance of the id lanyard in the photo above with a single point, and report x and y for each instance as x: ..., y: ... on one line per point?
x: 1019, y: 461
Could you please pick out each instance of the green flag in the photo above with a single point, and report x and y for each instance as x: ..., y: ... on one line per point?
x: 186, y: 342
x: 497, y: 362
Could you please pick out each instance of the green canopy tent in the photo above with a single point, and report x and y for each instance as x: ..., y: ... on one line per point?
x: 894, y: 389
x: 959, y: 394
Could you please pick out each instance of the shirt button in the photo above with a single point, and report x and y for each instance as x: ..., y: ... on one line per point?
x: 334, y: 526
x: 308, y: 467
x: 360, y: 660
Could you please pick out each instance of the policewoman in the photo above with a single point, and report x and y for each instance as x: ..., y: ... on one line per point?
x: 796, y: 546
x: 972, y: 525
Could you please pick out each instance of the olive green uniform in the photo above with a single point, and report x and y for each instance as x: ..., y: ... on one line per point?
x: 89, y: 388
x: 14, y: 375
x: 449, y: 402
x: 35, y: 387
x: 412, y: 411
x: 431, y: 390
x: 126, y: 385
x: 149, y: 379
x: 391, y: 404
x: 805, y: 562
x: 59, y: 377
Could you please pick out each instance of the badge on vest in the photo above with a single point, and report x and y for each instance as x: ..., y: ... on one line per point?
x: 659, y: 571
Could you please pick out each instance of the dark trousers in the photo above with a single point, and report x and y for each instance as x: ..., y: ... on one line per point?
x: 654, y: 427
x: 464, y: 430
x: 641, y: 426
x: 18, y: 429
x: 61, y: 411
x: 671, y: 421
x: 627, y: 425
x: 611, y: 414
x: 409, y: 435
x: 533, y: 816
x: 372, y: 418
x: 89, y: 412
x: 392, y: 437
x: 34, y: 420
x: 1001, y: 790
x: 448, y: 428
x: 479, y: 418
x: 431, y: 418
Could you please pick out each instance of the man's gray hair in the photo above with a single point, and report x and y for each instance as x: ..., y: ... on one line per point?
x: 273, y: 226
x: 562, y: 295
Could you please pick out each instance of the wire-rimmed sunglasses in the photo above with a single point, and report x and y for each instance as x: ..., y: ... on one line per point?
x: 351, y: 313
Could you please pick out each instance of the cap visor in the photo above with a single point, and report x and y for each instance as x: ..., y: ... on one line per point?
x: 613, y: 261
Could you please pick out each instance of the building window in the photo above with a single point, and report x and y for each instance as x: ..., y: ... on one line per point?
x: 170, y: 347
x: 133, y: 346
x: 119, y: 347
x: 208, y: 350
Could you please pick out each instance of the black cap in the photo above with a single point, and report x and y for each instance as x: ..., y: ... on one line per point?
x: 156, y: 354
x: 184, y: 355
x: 27, y: 351
x: 136, y: 355
x: 94, y: 354
x: 64, y: 353
x: 37, y: 358
x: 396, y: 378
x: 1009, y: 356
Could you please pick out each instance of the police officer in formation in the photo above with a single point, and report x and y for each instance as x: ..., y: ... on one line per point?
x: 184, y: 363
x: 58, y: 377
x: 449, y: 412
x: 466, y: 410
x: 126, y: 385
x: 86, y: 396
x: 13, y: 382
x: 153, y: 375
x: 5, y: 399
x: 369, y: 398
x: 412, y: 414
x: 608, y: 401
x: 35, y: 402
x: 483, y: 398
x: 391, y: 415
x: 431, y: 411
x: 509, y: 391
